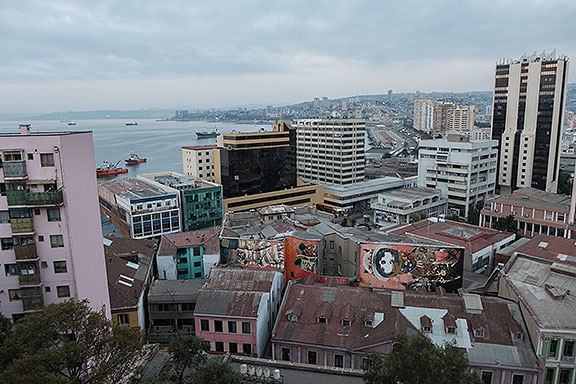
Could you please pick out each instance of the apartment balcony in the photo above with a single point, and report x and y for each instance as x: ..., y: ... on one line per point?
x: 22, y: 225
x: 15, y: 169
x: 33, y: 303
x: 29, y: 279
x: 26, y: 252
x: 35, y: 198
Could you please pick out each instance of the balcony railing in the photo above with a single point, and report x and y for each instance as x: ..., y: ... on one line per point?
x: 29, y: 279
x: 35, y: 198
x: 25, y: 252
x: 33, y: 303
x: 15, y: 169
x: 22, y: 225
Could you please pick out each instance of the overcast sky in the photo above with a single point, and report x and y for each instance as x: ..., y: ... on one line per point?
x: 121, y: 54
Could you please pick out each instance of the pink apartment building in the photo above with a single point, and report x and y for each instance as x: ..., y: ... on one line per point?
x: 51, y: 246
x: 237, y: 308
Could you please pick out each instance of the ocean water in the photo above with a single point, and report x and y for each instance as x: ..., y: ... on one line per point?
x: 160, y: 142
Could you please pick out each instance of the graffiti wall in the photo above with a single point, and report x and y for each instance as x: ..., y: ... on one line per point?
x: 301, y: 258
x: 410, y: 266
x: 252, y: 253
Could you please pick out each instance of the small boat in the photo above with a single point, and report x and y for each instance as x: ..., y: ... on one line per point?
x: 206, y: 134
x: 134, y: 159
x: 71, y: 123
x: 131, y: 123
x: 109, y: 169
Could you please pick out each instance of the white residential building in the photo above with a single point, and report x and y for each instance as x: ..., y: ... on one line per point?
x: 424, y: 115
x: 331, y: 151
x: 198, y: 161
x: 463, y: 170
x: 461, y: 118
x: 399, y: 206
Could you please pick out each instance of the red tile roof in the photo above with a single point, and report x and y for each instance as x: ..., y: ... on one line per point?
x: 554, y: 246
x: 471, y: 237
x: 373, y: 318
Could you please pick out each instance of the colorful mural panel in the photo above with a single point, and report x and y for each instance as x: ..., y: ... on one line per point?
x: 252, y: 253
x: 301, y: 258
x: 404, y: 266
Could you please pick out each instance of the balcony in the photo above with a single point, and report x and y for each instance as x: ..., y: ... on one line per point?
x: 29, y: 279
x: 25, y: 252
x: 33, y: 303
x: 22, y: 225
x: 15, y: 169
x: 35, y: 198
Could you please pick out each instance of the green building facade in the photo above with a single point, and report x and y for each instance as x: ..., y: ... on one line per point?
x: 558, y: 354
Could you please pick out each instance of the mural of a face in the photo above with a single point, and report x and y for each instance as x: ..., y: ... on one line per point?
x: 387, y: 263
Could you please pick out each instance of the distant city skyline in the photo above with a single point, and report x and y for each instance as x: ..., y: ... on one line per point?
x: 62, y: 56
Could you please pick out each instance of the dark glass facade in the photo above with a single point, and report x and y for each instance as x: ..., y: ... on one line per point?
x: 251, y: 164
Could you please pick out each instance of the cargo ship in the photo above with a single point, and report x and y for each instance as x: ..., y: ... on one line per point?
x: 109, y: 169
x: 134, y: 159
x: 206, y: 134
x: 131, y: 123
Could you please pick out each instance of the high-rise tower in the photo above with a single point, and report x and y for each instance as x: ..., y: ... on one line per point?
x: 529, y: 100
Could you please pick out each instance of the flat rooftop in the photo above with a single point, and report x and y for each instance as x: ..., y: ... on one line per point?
x: 133, y: 188
x: 533, y: 280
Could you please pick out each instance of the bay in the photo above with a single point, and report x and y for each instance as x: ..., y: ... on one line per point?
x: 160, y: 142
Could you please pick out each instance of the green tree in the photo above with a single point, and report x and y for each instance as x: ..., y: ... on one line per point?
x: 188, y: 353
x: 564, y: 183
x: 418, y: 217
x: 5, y: 328
x: 68, y: 343
x: 507, y: 224
x: 217, y: 372
x: 417, y: 360
x: 474, y: 213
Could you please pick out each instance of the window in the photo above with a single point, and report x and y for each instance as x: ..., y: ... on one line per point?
x: 197, y: 264
x: 286, y: 354
x: 331, y: 244
x: 322, y: 320
x: 312, y: 357
x: 233, y: 347
x: 204, y: 325
x: 339, y: 361
x: 56, y: 241
x: 479, y: 332
x: 123, y: 319
x: 30, y: 156
x: 47, y: 289
x: 4, y: 217
x: 12, y: 156
x: 346, y: 323
x: 487, y: 377
x: 451, y: 330
x: 6, y: 243
x: 247, y: 349
x: 246, y: 328
x: 218, y: 327
x: 517, y: 379
x: 219, y: 346
x: 564, y: 376
x: 553, y: 348
x: 196, y: 251
x: 63, y: 291
x: 14, y: 294
x: 11, y: 269
x: 231, y: 327
x: 47, y: 159
x: 560, y: 217
x: 60, y: 267
x: 568, y: 349
x: 198, y: 274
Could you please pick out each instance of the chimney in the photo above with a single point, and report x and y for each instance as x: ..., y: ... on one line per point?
x: 25, y: 129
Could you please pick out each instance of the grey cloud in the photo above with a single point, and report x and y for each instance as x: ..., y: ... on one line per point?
x: 108, y: 39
